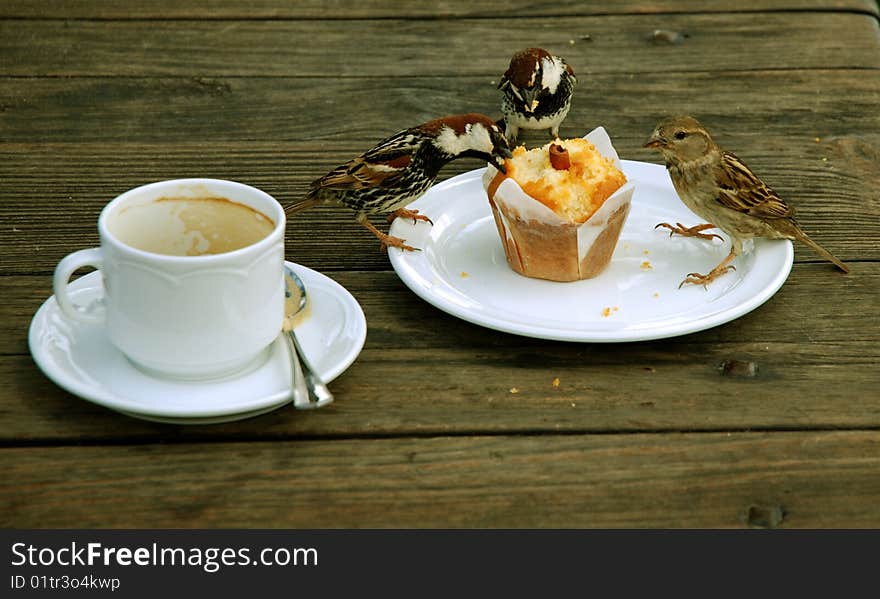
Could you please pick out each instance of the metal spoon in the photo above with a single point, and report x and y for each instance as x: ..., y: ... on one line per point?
x: 299, y: 391
x: 309, y: 390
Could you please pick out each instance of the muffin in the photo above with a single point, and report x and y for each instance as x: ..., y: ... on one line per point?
x: 560, y: 208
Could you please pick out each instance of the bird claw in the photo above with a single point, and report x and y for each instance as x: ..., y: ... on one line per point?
x: 406, y: 213
x: 695, y: 278
x: 396, y: 242
x: 694, y: 231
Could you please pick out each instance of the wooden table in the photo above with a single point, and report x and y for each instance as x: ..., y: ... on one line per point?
x: 98, y: 98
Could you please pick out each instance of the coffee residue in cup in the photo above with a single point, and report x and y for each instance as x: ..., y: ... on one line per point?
x: 182, y: 226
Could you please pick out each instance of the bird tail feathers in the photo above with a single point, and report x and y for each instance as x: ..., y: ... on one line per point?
x: 823, y: 252
x: 300, y: 205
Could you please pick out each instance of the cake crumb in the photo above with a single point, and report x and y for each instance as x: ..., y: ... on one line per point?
x: 646, y: 265
x: 556, y: 382
x: 656, y: 294
x: 574, y: 405
x: 645, y: 252
x: 464, y: 274
x: 514, y: 390
x: 615, y: 308
x: 606, y: 311
x: 817, y: 140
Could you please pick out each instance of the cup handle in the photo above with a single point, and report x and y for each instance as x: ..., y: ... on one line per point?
x: 95, y: 312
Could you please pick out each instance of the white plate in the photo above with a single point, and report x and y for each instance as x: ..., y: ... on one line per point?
x: 462, y: 270
x: 80, y: 358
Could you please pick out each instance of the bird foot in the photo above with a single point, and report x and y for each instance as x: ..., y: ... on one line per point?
x: 388, y: 241
x: 406, y: 213
x: 695, y: 278
x: 694, y: 231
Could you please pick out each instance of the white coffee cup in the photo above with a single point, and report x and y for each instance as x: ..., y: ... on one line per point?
x: 184, y: 316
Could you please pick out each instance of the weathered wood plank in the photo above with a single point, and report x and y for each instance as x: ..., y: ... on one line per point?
x: 425, y: 372
x: 833, y: 183
x: 695, y: 480
x: 400, y: 320
x: 372, y: 9
x: 388, y: 48
x: 54, y: 193
x: 363, y: 111
x: 328, y: 238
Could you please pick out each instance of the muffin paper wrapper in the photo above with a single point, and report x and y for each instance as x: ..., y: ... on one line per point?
x: 513, y: 202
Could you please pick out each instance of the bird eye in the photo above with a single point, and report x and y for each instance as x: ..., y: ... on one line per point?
x: 680, y: 135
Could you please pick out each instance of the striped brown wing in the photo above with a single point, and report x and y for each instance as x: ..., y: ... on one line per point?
x: 379, y: 166
x: 359, y: 174
x: 741, y: 190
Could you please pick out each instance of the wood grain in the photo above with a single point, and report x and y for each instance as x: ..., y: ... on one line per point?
x: 425, y: 372
x: 394, y: 48
x: 777, y: 411
x: 825, y: 479
x: 377, y: 9
x: 53, y: 194
x: 141, y: 130
x: 177, y: 111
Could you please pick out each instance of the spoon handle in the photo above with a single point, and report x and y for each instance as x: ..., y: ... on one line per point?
x: 318, y: 393
x: 299, y: 387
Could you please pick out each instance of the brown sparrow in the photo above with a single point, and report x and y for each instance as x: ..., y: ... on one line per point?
x: 719, y: 187
x: 536, y: 92
x: 400, y: 168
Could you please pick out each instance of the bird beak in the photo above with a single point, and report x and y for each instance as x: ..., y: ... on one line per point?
x: 528, y: 96
x: 500, y: 159
x: 655, y: 141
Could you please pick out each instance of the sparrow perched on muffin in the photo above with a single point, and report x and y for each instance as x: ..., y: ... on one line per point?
x: 399, y: 169
x: 719, y: 187
x: 536, y: 88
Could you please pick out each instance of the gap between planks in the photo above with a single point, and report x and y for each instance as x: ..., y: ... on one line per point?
x: 235, y: 438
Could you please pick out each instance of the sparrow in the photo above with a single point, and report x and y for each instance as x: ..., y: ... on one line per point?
x: 536, y: 92
x: 399, y: 169
x: 717, y: 186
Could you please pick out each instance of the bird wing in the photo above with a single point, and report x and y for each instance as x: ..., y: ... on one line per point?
x: 741, y: 190
x: 358, y: 174
x: 382, y: 165
x: 571, y: 74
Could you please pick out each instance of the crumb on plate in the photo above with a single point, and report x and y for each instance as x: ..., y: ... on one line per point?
x: 646, y: 265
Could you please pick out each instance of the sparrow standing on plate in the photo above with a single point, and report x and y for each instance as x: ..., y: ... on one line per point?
x: 719, y: 187
x: 536, y: 88
x: 402, y: 167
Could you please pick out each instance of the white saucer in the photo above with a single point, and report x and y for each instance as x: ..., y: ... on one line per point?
x: 80, y: 358
x: 463, y: 271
